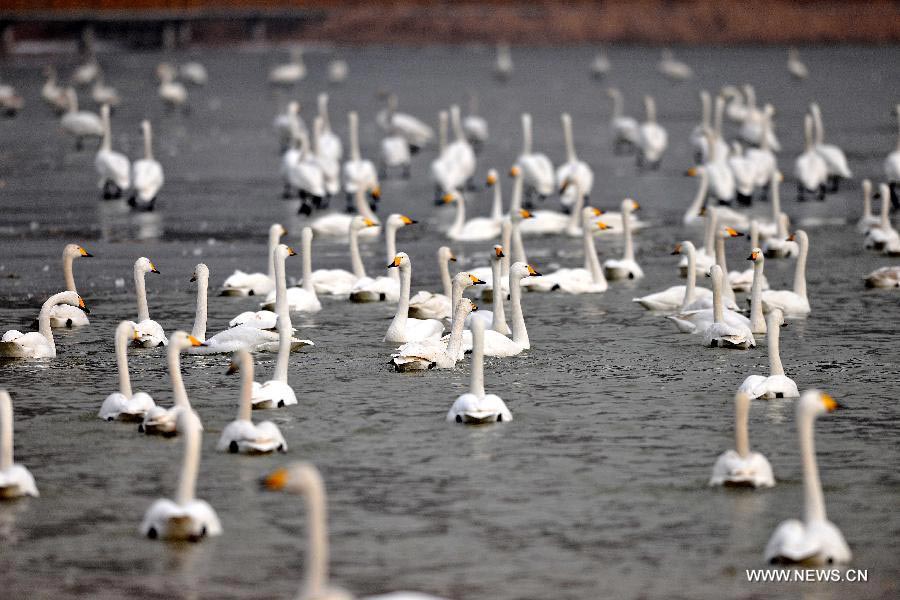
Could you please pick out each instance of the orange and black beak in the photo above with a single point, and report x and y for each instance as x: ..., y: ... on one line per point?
x: 532, y: 272
x: 407, y: 221
x: 475, y: 280
x: 195, y: 342
x: 291, y: 252
x: 233, y: 368
x: 394, y: 263
x: 677, y: 250
x: 692, y: 172
x: 84, y: 252
x: 82, y: 305
x: 275, y: 481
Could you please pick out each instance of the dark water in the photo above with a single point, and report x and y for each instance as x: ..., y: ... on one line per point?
x: 597, y: 489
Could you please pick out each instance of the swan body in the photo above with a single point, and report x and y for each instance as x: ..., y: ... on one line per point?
x: 428, y: 305
x: 240, y: 283
x: 588, y: 279
x: 416, y: 133
x: 741, y: 467
x: 123, y: 404
x: 626, y: 267
x: 892, y: 162
x: 147, y: 174
x: 300, y: 299
x: 40, y: 343
x: 477, y: 407
x: 625, y: 130
x: 679, y: 297
x: 867, y: 221
x: 337, y: 225
x: 441, y: 353
x: 473, y: 230
x: 382, y: 289
x: 243, y: 435
x: 537, y: 170
x: 795, y: 65
x: 574, y: 172
x: 810, y: 168
x: 653, y: 139
x: 835, y: 160
x: 673, y: 68
x: 150, y: 334
x: 884, y: 277
x: 15, y: 479
x: 358, y: 172
x: 339, y: 282
x: 52, y: 93
x: 290, y: 72
x: 404, y: 328
x: 112, y: 167
x: 721, y: 333
x: 193, y: 72
x: 744, y: 171
x: 777, y: 384
x: 814, y: 540
x: 793, y: 303
x: 66, y: 315
x: 600, y: 66
x: 883, y: 238
x: 80, y: 123
x: 172, y: 92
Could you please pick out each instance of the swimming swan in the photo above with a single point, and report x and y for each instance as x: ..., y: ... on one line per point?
x: 40, y: 343
x: 741, y: 467
x: 403, y: 328
x: 339, y: 282
x: 243, y: 435
x: 428, y: 305
x: 777, y: 384
x: 124, y: 404
x: 164, y: 421
x: 114, y: 168
x: 66, y: 315
x: 146, y: 174
x: 626, y: 267
x: 383, y: 289
x: 680, y: 297
x: 793, y: 303
x: 302, y: 298
x: 441, y: 353
x: 15, y: 479
x: 719, y: 333
x: 476, y: 407
x: 277, y: 392
x: 240, y: 283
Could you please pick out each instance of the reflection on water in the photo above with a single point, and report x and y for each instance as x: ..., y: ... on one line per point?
x: 118, y: 223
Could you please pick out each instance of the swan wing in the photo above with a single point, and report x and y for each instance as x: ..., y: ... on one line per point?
x: 66, y: 315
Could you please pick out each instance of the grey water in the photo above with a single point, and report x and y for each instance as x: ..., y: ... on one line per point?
x: 598, y: 488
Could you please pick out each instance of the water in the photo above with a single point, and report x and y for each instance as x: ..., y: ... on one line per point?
x: 598, y: 488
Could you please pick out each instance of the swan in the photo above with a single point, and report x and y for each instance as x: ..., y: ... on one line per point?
x: 476, y: 407
x: 727, y: 290
x: 777, y: 384
x: 382, y: 289
x: 339, y: 282
x: 653, y: 138
x: 753, y: 128
x: 795, y: 65
x: 867, y: 221
x: 15, y: 479
x: 503, y: 63
x: 680, y: 297
x: 892, y: 163
x: 52, y: 93
x: 814, y: 540
x: 428, y: 305
x: 87, y: 71
x: 744, y: 171
x: 486, y: 273
x: 757, y: 320
x: 291, y: 72
x: 105, y: 94
x: 80, y: 123
x: 573, y: 171
x: 150, y: 333
x: 329, y: 143
x: 146, y: 174
x: 719, y: 333
x: 810, y: 168
x: 460, y: 151
x: 446, y: 173
x: 194, y: 73
x: 395, y: 154
x: 185, y: 518
x: 164, y: 421
x: 721, y: 177
x: 600, y: 66
x: 173, y: 93
x: 705, y: 256
x: 498, y: 312
x: 742, y: 281
x: 474, y: 125
x: 462, y: 281
x: 305, y: 173
x: 240, y: 283
x: 328, y: 164
x: 284, y: 125
x: 403, y: 328
x: 626, y: 267
x: 699, y: 139
x: 792, y: 303
x: 435, y: 353
x: 536, y: 168
x: 474, y: 230
x: 883, y: 238
x: 243, y: 435
x: 358, y: 172
x: 741, y: 467
x: 588, y: 279
x: 735, y: 108
x: 884, y: 277
x: 124, y: 404
x: 539, y: 222
x: 114, y: 168
x: 834, y: 157
x: 417, y: 134
x: 624, y: 129
x: 337, y: 225
x: 673, y: 68
x: 781, y: 246
x: 763, y: 159
x: 696, y: 210
x: 338, y: 69
x: 698, y: 320
x: 300, y: 299
x: 40, y: 343
x: 66, y: 315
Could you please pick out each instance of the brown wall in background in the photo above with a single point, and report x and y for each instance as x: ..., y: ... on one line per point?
x: 518, y: 21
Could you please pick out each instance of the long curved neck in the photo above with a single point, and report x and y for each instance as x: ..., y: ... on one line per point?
x: 499, y: 324
x: 773, y: 335
x: 354, y: 137
x: 67, y: 272
x: 519, y: 333
x: 190, y: 465
x: 690, y: 289
x: 6, y: 432
x: 442, y: 132
x: 359, y: 270
x: 402, y: 313
x: 867, y: 199
x: 591, y: 261
x: 518, y: 247
x: 307, y: 263
x: 576, y: 217
x: 741, y: 416
x: 456, y: 123
x: 650, y: 108
x: 460, y: 220
x: 718, y: 307
x: 246, y: 403
x: 362, y: 207
x: 754, y: 233
x: 626, y: 228
x: 706, y: 121
x: 317, y: 542
x: 717, y: 125
x: 800, y: 267
x: 107, y: 131
x: 505, y: 241
x: 199, y: 330
x: 515, y: 204
x: 122, y: 335
x: 444, y: 268
x: 44, y: 327
x: 757, y: 321
x: 885, y: 208
x: 727, y: 291
x: 178, y: 391
x: 571, y: 156
x: 390, y: 244
x: 700, y: 196
x: 817, y: 125
x: 476, y: 382
x: 274, y: 238
x: 776, y: 201
x: 456, y: 331
x: 285, y: 327
x: 526, y: 134
x: 497, y: 206
x: 710, y: 234
x: 141, y: 292
x: 148, y: 143
x: 766, y: 132
x: 813, y: 501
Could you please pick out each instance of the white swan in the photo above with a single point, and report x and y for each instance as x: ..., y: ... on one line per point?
x: 124, y: 404
x: 699, y: 319
x: 588, y: 279
x: 66, y: 315
x: 753, y: 125
x: 146, y: 174
x: 498, y: 312
x: 446, y: 173
x: 291, y: 72
x: 428, y: 305
x: 883, y: 238
x: 742, y: 281
x: 539, y: 222
x: 417, y: 134
x: 626, y: 267
x: 696, y: 210
x: 810, y: 168
x: 474, y: 230
x: 477, y: 407
x: 600, y: 66
x: 867, y: 221
x: 185, y: 518
x: 474, y: 125
x: 574, y: 171
x: 80, y: 123
x: 114, y: 168
x: 460, y: 151
x: 337, y: 224
x: 403, y: 328
x: 395, y: 154
x: 792, y: 303
x: 243, y: 435
x: 328, y: 143
x: 781, y: 246
x: 193, y: 72
x: 624, y: 129
x: 324, y: 149
x: 741, y: 467
x: 795, y: 65
x: 15, y: 479
x: 52, y: 93
x: 300, y: 299
x: 736, y: 108
x: 305, y: 174
x: 680, y: 297
x: 764, y: 161
x: 884, y: 277
x: 727, y: 291
x: 435, y: 353
x: 777, y: 384
x: 653, y: 139
x: 240, y: 283
x: 383, y: 289
x: 721, y: 177
x: 537, y: 170
x: 814, y: 540
x: 719, y: 333
x: 150, y: 333
x: 339, y: 282
x: 359, y: 173
x: 673, y: 68
x: 172, y: 92
x: 164, y: 421
x: 834, y: 157
x: 705, y: 256
x: 503, y: 62
x: 40, y: 343
x: 757, y: 321
x: 892, y: 162
x: 744, y: 171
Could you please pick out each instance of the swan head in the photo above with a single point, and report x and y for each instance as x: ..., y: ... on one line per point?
x: 491, y: 177
x: 515, y: 171
x: 694, y: 172
x: 728, y: 232
x: 283, y: 251
x: 446, y: 254
x: 603, y: 226
x: 144, y: 265
x: 76, y: 251
x: 277, y: 230
x: 375, y: 192
x: 296, y: 478
x: 465, y: 279
x: 629, y: 205
x: 450, y: 197
x: 201, y: 272
x: 524, y: 214
x: 521, y: 270
x: 236, y: 359
x: 756, y: 255
x: 590, y: 212
x: 182, y: 340
x: 817, y: 402
x: 397, y: 220
x: 360, y: 222
x: 401, y: 260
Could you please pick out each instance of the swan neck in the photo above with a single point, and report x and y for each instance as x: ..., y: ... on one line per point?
x: 148, y: 142
x: 390, y: 243
x: 199, y: 330
x: 776, y: 201
x: 460, y: 220
x: 576, y: 217
x: 67, y: 272
x: 402, y: 314
x: 354, y: 137
x: 190, y: 464
x: 757, y: 321
x: 718, y: 307
x: 519, y: 333
x: 317, y: 541
x: 591, y: 261
x: 710, y: 233
x: 515, y: 205
x: 754, y: 234
x: 362, y: 207
x: 717, y: 126
x: 174, y: 359
x: 571, y: 156
x: 505, y: 240
x: 867, y: 200
x: 123, y: 333
x: 773, y: 342
x: 359, y: 270
x: 618, y: 107
x: 626, y: 228
x: 526, y: 134
x: 800, y: 267
x: 141, y: 293
x: 44, y: 327
x: 442, y: 132
x: 499, y: 324
x: 459, y: 323
x: 107, y: 130
x: 690, y: 289
x: 6, y: 432
x: 274, y: 238
x: 497, y: 206
x: 706, y: 121
x: 476, y: 383
x: 245, y: 407
x: 307, y: 263
x: 819, y: 128
x: 813, y: 500
x: 285, y: 326
x: 444, y: 267
x: 700, y: 196
x: 741, y: 416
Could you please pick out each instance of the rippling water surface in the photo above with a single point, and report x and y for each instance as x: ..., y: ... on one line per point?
x: 597, y: 489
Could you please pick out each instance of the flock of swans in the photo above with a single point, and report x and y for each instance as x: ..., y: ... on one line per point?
x: 436, y: 329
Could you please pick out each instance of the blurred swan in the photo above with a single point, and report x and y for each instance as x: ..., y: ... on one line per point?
x: 673, y: 68
x: 537, y: 170
x: 302, y: 298
x: 680, y: 297
x: 382, y: 289
x: 780, y: 245
x: 185, y: 518
x: 328, y: 143
x: 147, y: 174
x: 290, y: 72
x: 753, y: 126
x: 503, y: 62
x: 240, y: 283
x: 40, y: 343
x: 123, y: 404
x: 404, y: 328
x: 150, y: 333
x: 460, y: 151
x: 600, y: 66
x: 792, y: 303
x: 416, y: 133
x: 102, y: 93
x: 67, y: 315
x: 172, y: 92
x: 114, y: 168
x: 358, y: 172
x: 834, y: 157
x: 573, y: 175
x: 428, y: 305
x: 339, y: 282
x: 52, y: 93
x: 80, y: 123
x: 815, y: 540
x: 626, y: 267
x: 777, y: 384
x: 477, y: 407
x: 624, y: 129
x: 883, y: 238
x: 892, y: 163
x: 763, y: 159
x: 164, y: 421
x: 243, y: 435
x: 473, y: 230
x: 810, y: 168
x: 741, y: 467
x: 15, y: 479
x: 795, y: 65
x: 193, y: 72
x: 447, y: 173
x: 338, y: 69
x: 867, y: 221
x: 441, y: 353
x: 884, y: 277
x: 719, y: 333
x: 653, y: 139
x: 475, y: 126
